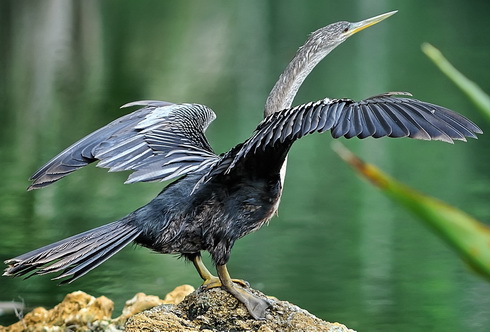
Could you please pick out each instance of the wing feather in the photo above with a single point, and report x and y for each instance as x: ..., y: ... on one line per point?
x: 157, y: 142
x: 378, y: 116
x: 368, y: 122
x: 342, y: 127
x: 431, y: 124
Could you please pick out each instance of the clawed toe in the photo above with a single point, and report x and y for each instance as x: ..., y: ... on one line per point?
x: 214, y: 282
x: 257, y: 306
x: 243, y: 283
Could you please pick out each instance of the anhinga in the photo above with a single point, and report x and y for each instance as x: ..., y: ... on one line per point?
x: 218, y: 199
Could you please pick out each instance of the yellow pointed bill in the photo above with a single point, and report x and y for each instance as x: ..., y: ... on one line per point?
x: 358, y: 26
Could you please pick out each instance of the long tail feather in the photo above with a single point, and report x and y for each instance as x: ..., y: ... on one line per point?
x: 76, y: 255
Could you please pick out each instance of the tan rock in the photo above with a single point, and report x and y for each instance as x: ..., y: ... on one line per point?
x: 76, y: 311
x: 141, y: 302
x: 178, y: 294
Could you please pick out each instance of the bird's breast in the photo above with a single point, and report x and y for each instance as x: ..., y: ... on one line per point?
x: 254, y: 203
x: 215, y: 216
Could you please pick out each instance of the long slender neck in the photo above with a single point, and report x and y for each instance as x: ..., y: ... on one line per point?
x: 286, y: 87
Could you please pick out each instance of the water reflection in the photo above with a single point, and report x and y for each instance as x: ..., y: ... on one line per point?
x: 338, y: 248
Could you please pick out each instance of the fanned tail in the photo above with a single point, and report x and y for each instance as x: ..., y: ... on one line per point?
x: 76, y: 255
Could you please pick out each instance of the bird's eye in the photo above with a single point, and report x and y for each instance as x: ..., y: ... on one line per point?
x: 346, y: 29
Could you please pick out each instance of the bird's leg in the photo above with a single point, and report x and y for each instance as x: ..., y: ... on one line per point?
x: 211, y: 281
x: 256, y: 306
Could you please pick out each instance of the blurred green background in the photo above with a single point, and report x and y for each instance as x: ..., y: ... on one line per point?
x: 338, y: 248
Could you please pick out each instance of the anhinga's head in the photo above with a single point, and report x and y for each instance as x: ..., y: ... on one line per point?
x: 327, y: 38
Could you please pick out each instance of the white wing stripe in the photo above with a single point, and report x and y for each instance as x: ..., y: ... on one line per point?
x: 104, y: 162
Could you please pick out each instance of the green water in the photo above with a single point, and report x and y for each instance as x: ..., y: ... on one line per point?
x: 338, y: 248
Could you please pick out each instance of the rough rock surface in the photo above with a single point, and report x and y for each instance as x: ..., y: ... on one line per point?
x: 217, y: 310
x: 182, y: 310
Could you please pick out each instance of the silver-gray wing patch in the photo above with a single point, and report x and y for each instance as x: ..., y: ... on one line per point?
x: 158, y: 142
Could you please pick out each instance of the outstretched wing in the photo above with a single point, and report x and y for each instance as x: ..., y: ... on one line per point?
x: 378, y: 116
x: 158, y: 142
